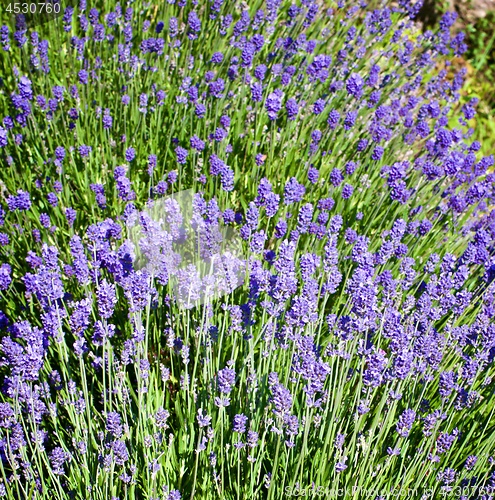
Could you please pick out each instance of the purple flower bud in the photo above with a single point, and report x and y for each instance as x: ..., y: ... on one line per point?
x: 273, y: 105
x: 130, y: 154
x: 5, y: 278
x: 347, y: 191
x: 203, y: 420
x: 225, y: 380
x: 333, y: 119
x: 107, y: 299
x: 84, y: 150
x: 350, y: 120
x: 181, y: 155
x: 114, y: 424
x: 45, y: 220
x: 70, y: 215
x: 354, y: 85
x: 58, y: 457
x: 194, y: 24
x: 405, y: 422
x: 239, y: 424
x: 293, y: 192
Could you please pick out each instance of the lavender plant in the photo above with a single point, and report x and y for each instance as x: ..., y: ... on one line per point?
x: 353, y: 350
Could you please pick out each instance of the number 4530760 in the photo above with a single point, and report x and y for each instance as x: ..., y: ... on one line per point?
x: 34, y: 8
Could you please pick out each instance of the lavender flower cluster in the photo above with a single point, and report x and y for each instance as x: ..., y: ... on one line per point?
x: 243, y: 247
x: 182, y: 239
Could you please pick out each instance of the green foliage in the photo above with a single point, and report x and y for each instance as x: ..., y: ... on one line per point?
x: 481, y: 81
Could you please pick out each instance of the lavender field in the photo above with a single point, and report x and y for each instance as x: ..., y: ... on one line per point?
x: 246, y: 252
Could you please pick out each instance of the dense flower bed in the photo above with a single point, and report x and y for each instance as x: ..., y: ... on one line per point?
x: 345, y: 341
